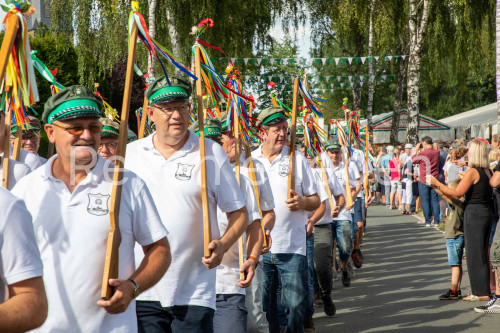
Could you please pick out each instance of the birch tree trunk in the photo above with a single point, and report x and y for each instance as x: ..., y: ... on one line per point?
x: 356, y: 96
x: 417, y: 27
x: 152, y: 33
x: 369, y: 108
x: 497, y: 35
x: 174, y: 37
x: 398, y: 101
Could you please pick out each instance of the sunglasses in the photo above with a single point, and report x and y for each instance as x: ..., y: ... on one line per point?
x: 78, y: 130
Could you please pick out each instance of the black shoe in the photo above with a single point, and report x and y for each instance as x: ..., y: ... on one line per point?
x: 329, y: 306
x: 346, y: 278
x: 449, y: 296
x: 355, y: 259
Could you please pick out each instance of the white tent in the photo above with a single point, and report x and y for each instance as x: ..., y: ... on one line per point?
x: 478, y: 123
x: 427, y: 127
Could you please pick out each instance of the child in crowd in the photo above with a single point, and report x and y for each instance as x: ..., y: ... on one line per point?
x: 454, y: 234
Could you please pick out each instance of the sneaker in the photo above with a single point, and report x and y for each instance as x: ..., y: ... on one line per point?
x: 329, y: 306
x: 309, y: 324
x: 317, y: 300
x: 355, y: 259
x: 427, y: 225
x: 474, y: 298
x: 450, y: 296
x: 491, y: 307
x: 346, y: 278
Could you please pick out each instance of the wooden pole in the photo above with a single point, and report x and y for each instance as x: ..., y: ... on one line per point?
x: 50, y: 149
x: 207, y: 233
x: 17, y: 143
x: 5, y: 51
x: 236, y: 131
x: 144, y: 119
x: 293, y: 129
x: 114, y: 236
x: 325, y: 183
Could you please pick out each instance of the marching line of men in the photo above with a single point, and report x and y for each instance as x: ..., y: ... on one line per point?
x: 60, y: 221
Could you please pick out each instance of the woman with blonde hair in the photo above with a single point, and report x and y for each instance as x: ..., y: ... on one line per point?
x: 475, y: 186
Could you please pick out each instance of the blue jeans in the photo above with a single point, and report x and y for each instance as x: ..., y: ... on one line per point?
x: 430, y: 203
x: 455, y: 248
x: 341, y: 232
x: 291, y: 270
x: 354, y: 227
x: 153, y: 318
x: 231, y: 314
x: 312, y: 281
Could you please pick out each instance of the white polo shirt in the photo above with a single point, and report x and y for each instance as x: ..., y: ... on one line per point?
x: 288, y: 234
x: 175, y: 185
x: 31, y: 160
x: 358, y: 157
x: 17, y: 170
x: 228, y: 272
x: 72, y: 232
x: 266, y: 198
x: 335, y: 188
x: 341, y: 177
x: 19, y: 255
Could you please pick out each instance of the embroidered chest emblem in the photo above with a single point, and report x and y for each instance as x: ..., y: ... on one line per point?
x: 98, y: 204
x: 184, y: 171
x: 283, y: 170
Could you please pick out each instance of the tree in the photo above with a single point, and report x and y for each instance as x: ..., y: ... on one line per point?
x: 152, y: 33
x: 497, y: 42
x: 369, y: 109
x: 417, y: 25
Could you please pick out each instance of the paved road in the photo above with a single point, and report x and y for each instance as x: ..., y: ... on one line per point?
x: 397, y: 289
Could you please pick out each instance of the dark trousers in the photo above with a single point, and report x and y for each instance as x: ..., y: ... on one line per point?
x: 430, y: 203
x: 231, y: 314
x: 153, y: 318
x: 477, y: 226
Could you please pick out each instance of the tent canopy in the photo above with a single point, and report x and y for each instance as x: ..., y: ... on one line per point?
x: 427, y: 126
x: 481, y: 122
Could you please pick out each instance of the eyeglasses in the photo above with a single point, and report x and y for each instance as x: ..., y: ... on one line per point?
x: 170, y: 111
x: 279, y: 130
x: 109, y: 145
x: 78, y: 130
x: 32, y: 138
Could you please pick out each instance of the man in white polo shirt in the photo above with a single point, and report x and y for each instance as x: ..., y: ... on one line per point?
x: 169, y: 162
x: 20, y: 269
x: 69, y: 198
x: 30, y: 137
x: 342, y: 224
x: 287, y: 260
x: 256, y: 318
x: 231, y: 314
x: 31, y: 160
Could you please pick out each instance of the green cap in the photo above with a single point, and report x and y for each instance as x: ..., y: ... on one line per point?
x: 33, y: 125
x: 211, y: 127
x: 300, y: 130
x: 224, y: 124
x: 194, y: 127
x: 109, y: 128
x: 72, y: 102
x: 131, y: 136
x: 160, y: 91
x: 333, y: 145
x: 272, y: 115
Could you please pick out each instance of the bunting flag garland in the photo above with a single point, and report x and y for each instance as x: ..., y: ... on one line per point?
x: 309, y: 61
x: 19, y: 90
x: 154, y: 48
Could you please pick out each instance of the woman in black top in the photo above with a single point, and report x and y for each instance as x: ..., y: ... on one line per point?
x: 475, y: 185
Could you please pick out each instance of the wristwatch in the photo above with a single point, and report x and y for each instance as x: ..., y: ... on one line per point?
x: 137, y: 289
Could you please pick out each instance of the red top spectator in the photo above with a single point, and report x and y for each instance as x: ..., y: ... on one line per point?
x: 394, y: 165
x: 427, y: 158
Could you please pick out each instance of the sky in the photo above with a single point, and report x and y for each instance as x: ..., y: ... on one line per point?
x: 303, y: 33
